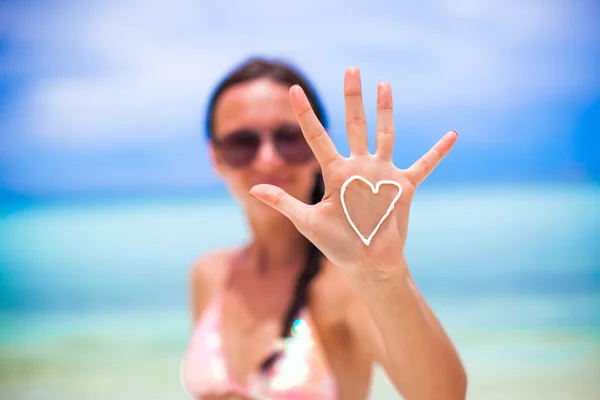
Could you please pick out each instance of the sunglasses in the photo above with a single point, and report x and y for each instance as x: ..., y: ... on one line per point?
x: 239, y: 148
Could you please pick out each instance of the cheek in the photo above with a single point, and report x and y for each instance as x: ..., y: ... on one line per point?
x: 237, y: 184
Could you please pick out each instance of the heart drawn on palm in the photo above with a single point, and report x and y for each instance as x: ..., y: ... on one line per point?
x: 366, y: 209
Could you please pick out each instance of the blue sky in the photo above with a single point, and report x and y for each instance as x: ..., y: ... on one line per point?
x: 109, y: 96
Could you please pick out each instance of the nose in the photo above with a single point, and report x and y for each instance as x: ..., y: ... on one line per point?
x: 267, y: 157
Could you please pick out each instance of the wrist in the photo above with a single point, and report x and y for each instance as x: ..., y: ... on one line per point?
x: 384, y: 287
x: 380, y: 273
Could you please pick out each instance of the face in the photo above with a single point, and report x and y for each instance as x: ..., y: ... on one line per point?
x: 257, y: 139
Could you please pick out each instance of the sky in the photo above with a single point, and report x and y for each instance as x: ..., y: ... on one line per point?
x: 109, y: 97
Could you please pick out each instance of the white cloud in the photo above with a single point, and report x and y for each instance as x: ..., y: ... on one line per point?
x: 120, y: 72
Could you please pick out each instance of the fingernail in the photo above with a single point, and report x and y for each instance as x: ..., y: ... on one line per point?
x: 295, y: 90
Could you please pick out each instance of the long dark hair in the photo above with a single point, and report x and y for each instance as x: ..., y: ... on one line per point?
x: 280, y: 72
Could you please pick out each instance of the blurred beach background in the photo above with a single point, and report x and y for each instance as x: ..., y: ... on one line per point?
x: 107, y: 196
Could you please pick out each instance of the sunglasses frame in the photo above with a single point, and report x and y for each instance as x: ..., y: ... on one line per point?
x: 299, y: 152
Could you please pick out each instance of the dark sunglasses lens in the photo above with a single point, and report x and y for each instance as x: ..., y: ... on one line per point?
x: 292, y: 145
x: 239, y: 148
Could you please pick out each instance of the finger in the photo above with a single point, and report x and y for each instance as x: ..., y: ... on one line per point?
x: 281, y: 201
x: 384, y: 131
x: 425, y: 165
x: 356, y: 121
x: 314, y: 132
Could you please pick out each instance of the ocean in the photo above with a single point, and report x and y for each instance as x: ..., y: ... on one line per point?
x: 93, y: 294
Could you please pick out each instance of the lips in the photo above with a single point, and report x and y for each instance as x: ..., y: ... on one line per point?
x: 275, y: 181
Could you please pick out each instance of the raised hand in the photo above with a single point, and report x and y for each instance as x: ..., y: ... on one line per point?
x: 325, y: 224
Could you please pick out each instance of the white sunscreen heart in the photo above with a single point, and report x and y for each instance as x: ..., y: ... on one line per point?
x: 375, y: 190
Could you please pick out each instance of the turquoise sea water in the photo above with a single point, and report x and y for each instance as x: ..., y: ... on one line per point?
x: 93, y: 295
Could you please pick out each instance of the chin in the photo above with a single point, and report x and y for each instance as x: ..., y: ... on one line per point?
x: 284, y: 184
x: 258, y: 210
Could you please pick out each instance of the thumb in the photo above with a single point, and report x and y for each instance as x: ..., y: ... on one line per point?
x: 277, y: 198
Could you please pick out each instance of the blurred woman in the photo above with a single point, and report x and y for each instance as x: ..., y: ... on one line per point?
x: 305, y: 309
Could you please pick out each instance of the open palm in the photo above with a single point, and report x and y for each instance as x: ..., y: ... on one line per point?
x: 325, y: 223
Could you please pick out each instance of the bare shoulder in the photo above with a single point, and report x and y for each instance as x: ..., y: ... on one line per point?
x: 333, y: 295
x: 208, y: 267
x: 341, y: 317
x: 346, y: 316
x: 206, y: 275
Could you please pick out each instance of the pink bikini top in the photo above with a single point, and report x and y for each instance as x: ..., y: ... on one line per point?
x: 299, y: 374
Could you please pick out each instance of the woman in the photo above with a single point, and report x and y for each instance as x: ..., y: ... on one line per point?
x: 305, y: 309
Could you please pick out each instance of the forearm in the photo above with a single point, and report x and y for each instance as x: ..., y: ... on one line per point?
x: 421, y: 359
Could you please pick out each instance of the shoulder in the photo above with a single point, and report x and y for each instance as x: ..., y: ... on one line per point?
x: 207, y: 273
x: 346, y: 315
x: 339, y: 313
x: 209, y: 267
x: 333, y: 297
x: 341, y: 309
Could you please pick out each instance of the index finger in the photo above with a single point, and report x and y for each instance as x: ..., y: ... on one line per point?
x: 314, y: 132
